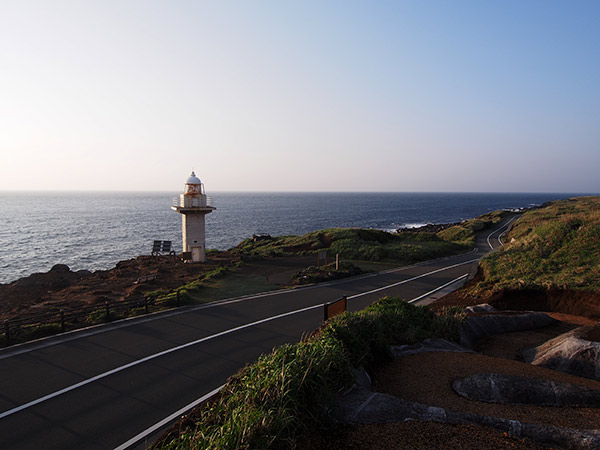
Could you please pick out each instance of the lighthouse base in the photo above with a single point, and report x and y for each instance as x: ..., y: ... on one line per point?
x: 198, y: 254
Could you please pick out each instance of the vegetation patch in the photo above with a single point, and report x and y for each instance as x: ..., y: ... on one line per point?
x: 327, y: 272
x: 557, y: 246
x: 464, y: 233
x: 189, y: 292
x: 355, y: 244
x: 235, y: 284
x: 284, y: 398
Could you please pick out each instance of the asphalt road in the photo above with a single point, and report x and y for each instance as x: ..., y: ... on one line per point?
x: 106, y: 387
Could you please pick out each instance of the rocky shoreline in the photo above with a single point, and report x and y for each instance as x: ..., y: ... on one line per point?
x: 62, y: 288
x: 429, y: 228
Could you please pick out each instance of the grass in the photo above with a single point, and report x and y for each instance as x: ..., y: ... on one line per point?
x: 556, y: 246
x: 327, y: 272
x: 464, y: 233
x: 357, y: 244
x: 235, y: 284
x: 217, y: 284
x: 283, y: 398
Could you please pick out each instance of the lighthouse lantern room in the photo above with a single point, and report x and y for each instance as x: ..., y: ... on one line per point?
x: 193, y: 205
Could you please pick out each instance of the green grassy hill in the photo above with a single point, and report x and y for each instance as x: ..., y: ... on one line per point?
x: 356, y: 244
x: 556, y: 246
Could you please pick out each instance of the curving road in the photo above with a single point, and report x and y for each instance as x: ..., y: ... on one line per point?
x: 116, y: 386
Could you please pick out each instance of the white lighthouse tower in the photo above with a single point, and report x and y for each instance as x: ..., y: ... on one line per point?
x: 193, y: 206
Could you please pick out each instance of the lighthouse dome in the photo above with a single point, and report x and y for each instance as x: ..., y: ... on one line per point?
x: 193, y: 179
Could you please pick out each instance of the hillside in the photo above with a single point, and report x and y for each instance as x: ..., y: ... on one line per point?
x: 403, y: 247
x: 551, y: 261
x: 557, y: 246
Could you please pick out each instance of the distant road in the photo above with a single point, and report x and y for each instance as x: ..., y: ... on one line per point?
x: 108, y: 387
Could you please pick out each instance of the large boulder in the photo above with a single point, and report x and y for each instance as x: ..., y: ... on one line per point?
x: 571, y: 352
x: 511, y: 389
x: 481, y: 325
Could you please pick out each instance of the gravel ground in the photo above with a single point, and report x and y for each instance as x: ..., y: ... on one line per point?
x: 416, y: 434
x: 427, y: 378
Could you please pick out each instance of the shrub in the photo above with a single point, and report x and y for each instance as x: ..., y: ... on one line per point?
x: 285, y: 396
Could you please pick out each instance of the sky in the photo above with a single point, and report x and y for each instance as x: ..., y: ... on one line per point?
x: 278, y: 95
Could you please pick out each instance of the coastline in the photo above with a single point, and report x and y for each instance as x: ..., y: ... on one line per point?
x: 94, y: 231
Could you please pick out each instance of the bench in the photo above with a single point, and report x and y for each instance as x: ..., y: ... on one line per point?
x: 160, y: 247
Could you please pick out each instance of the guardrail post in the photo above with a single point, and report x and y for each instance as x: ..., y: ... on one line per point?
x: 7, y: 331
x: 62, y: 321
x: 178, y: 298
x: 107, y: 306
x: 146, y: 304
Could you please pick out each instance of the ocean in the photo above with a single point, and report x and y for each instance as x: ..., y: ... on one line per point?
x: 96, y: 230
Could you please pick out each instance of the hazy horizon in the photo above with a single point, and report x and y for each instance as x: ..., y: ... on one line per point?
x: 309, y: 96
x: 173, y: 192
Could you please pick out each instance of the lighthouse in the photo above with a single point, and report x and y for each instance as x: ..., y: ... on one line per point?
x: 193, y: 205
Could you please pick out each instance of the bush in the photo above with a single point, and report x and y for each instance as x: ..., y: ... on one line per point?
x: 285, y: 396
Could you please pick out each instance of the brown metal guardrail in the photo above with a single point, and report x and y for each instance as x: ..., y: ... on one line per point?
x: 335, y: 307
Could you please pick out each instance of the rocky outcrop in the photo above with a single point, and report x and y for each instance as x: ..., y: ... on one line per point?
x: 62, y: 288
x: 480, y: 325
x: 429, y: 228
x: 571, y: 352
x: 511, y: 389
x: 428, y: 345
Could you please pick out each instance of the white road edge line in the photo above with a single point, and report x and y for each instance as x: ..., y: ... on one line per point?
x: 438, y: 289
x: 412, y: 279
x: 506, y: 230
x: 149, y: 358
x: 499, y: 229
x: 134, y: 440
x: 204, y: 339
x: 98, y: 329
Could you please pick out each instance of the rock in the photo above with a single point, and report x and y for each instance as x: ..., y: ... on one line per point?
x: 59, y: 283
x: 501, y: 388
x: 477, y: 327
x: 429, y: 228
x: 33, y: 281
x: 569, y: 352
x: 482, y: 308
x: 362, y: 378
x: 364, y: 406
x: 60, y: 268
x: 428, y: 345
